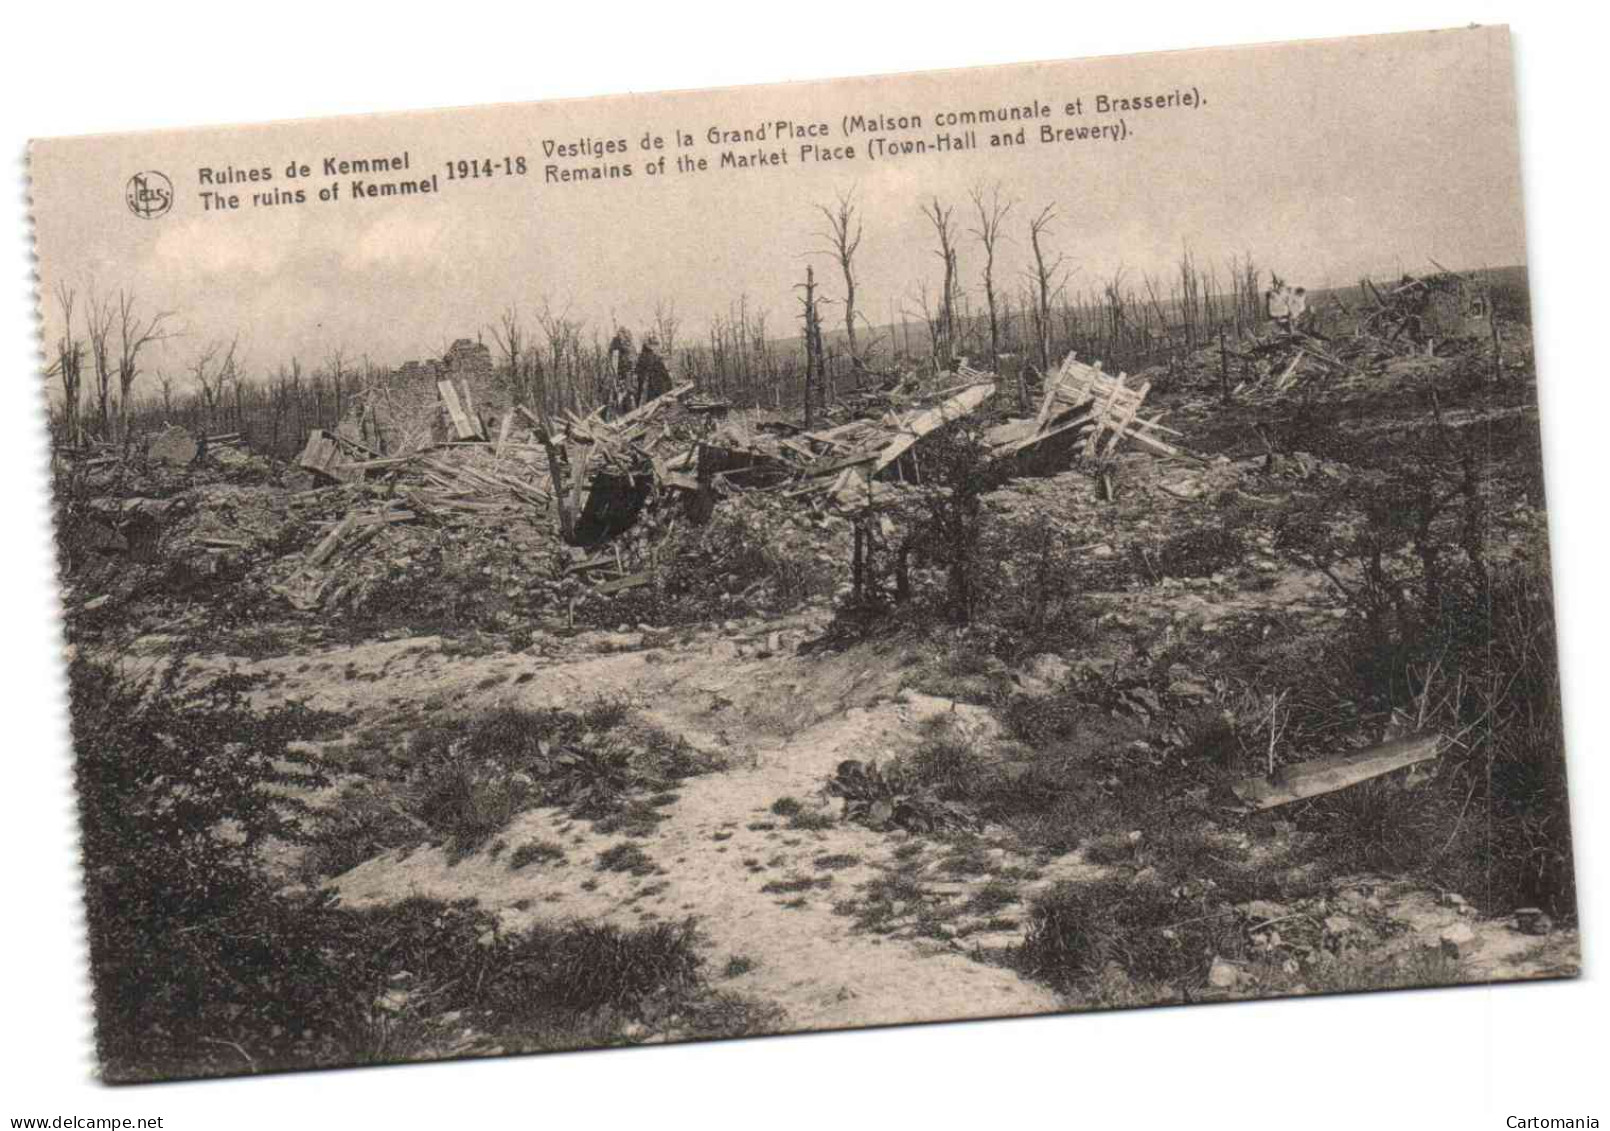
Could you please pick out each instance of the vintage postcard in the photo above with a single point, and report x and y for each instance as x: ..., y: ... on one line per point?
x: 1011, y: 541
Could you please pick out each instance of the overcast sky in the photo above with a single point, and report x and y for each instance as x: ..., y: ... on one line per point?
x: 1324, y: 160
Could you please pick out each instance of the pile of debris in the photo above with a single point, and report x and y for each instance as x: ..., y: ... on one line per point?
x: 1423, y: 310
x: 585, y: 480
x: 857, y: 465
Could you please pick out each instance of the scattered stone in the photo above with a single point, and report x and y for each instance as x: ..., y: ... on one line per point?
x: 1339, y: 925
x: 1533, y: 921
x: 1458, y: 940
x: 392, y: 1001
x: 1048, y: 668
x: 174, y: 447
x: 1223, y: 975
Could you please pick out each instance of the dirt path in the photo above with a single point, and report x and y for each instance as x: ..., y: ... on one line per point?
x: 720, y: 845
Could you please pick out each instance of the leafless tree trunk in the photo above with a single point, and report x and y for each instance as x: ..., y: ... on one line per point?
x: 213, y: 368
x: 666, y: 325
x: 69, y: 364
x: 509, y: 335
x: 102, y: 315
x: 134, y: 334
x: 563, y: 336
x: 843, y: 236
x: 991, y: 215
x: 1047, y: 279
x: 945, y: 230
x: 813, y: 345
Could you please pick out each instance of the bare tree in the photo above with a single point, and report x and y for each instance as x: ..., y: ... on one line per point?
x: 509, y: 335
x: 666, y: 324
x: 69, y: 365
x: 941, y: 217
x: 843, y: 235
x: 991, y: 215
x: 812, y: 317
x: 563, y: 335
x: 102, y: 315
x: 134, y: 334
x: 1048, y: 278
x: 213, y: 369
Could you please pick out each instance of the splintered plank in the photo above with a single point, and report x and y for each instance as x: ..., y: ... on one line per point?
x: 1327, y: 775
x: 331, y: 540
x: 1023, y: 443
x: 925, y: 422
x: 462, y: 428
x: 1121, y: 425
x: 323, y: 455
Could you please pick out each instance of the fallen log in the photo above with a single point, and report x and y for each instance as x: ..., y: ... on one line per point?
x: 1327, y: 775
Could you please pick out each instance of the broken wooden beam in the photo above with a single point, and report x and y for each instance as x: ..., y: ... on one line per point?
x: 464, y: 428
x: 928, y: 420
x: 1327, y: 775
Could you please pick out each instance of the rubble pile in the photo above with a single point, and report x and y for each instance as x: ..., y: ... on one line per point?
x: 532, y: 510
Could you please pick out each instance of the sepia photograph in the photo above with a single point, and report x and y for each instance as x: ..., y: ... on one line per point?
x: 1030, y: 539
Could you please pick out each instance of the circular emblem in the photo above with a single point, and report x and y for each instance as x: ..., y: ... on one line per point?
x: 149, y: 194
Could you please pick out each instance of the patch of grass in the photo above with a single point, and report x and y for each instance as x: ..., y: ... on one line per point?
x: 633, y: 818
x: 992, y: 897
x: 836, y: 861
x: 811, y: 820
x: 1111, y: 848
x: 787, y: 807
x: 626, y: 857
x: 1201, y: 552
x: 968, y: 859
x: 1076, y: 929
x: 798, y: 884
x: 738, y: 965
x: 467, y: 778
x: 536, y: 852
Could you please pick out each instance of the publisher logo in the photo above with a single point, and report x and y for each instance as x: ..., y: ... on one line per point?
x: 149, y: 194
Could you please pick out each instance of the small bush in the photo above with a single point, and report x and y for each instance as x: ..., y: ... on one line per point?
x: 536, y: 852
x: 1075, y: 929
x: 1201, y: 552
x: 467, y: 778
x: 787, y: 807
x: 626, y: 857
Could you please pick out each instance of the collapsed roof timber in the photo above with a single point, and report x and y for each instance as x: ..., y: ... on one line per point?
x: 592, y: 476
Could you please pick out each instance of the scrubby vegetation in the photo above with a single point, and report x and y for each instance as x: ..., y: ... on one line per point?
x: 461, y: 781
x: 206, y: 964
